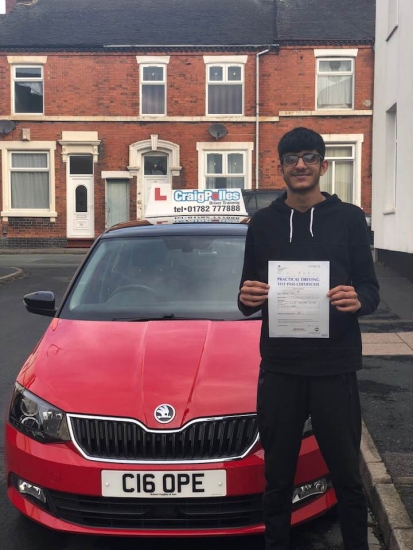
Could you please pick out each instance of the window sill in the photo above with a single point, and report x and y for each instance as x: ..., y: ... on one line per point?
x: 153, y: 115
x: 217, y: 115
x: 327, y: 112
x: 335, y: 108
x: 5, y: 214
x: 25, y: 115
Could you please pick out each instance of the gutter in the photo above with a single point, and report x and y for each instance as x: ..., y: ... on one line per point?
x: 257, y: 114
x: 196, y: 46
x: 184, y: 47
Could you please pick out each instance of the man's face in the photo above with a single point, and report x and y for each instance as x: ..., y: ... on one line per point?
x: 304, y: 175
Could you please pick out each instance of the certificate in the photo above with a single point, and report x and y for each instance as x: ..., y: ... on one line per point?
x: 298, y: 306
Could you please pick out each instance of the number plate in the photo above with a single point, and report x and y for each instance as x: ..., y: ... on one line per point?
x: 152, y: 484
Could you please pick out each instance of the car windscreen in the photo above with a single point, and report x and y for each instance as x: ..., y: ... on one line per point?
x: 159, y: 277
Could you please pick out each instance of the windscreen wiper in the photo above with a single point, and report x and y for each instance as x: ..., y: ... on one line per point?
x: 166, y: 317
x: 143, y: 319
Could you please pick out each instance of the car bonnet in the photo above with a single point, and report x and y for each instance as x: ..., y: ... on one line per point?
x: 120, y: 369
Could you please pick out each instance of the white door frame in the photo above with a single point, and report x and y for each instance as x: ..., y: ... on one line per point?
x: 80, y: 225
x: 79, y: 143
x: 137, y: 151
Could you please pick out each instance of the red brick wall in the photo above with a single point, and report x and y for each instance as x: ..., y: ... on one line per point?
x: 108, y: 85
x: 10, y: 4
x: 288, y: 82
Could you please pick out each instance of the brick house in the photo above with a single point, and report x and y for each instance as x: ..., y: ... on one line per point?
x: 100, y: 99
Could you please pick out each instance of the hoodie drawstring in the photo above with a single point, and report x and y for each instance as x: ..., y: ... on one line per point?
x: 311, y: 223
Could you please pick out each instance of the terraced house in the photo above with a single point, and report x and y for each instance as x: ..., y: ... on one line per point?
x: 100, y: 99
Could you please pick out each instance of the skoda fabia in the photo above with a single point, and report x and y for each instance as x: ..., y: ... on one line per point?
x: 135, y: 414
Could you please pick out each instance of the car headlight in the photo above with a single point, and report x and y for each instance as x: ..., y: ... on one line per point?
x: 36, y: 418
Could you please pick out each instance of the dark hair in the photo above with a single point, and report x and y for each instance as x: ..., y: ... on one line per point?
x: 301, y: 139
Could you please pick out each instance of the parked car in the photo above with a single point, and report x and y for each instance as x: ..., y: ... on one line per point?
x: 255, y: 199
x: 135, y: 413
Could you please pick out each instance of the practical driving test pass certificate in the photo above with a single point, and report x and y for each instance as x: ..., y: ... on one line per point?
x: 298, y: 306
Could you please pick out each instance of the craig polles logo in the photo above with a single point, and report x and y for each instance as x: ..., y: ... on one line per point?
x: 164, y: 413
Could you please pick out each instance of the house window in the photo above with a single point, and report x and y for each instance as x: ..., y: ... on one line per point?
x: 81, y: 165
x: 225, y: 165
x: 339, y: 177
x: 155, y: 165
x: 153, y: 89
x: 81, y: 199
x: 225, y: 89
x: 335, y: 83
x: 29, y: 180
x: 28, y: 89
x: 225, y: 169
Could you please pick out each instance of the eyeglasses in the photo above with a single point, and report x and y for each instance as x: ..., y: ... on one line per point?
x: 308, y: 158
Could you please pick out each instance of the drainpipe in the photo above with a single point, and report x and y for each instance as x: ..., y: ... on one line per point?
x: 257, y: 115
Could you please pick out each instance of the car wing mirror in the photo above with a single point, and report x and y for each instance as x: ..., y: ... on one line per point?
x: 41, y: 302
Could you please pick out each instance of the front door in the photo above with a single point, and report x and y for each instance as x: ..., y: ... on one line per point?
x: 155, y: 170
x: 117, y: 201
x: 80, y: 197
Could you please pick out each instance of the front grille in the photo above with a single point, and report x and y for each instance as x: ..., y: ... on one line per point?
x: 158, y: 513
x: 127, y: 440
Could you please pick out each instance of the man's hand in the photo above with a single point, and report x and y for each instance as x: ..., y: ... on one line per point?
x: 254, y: 293
x: 344, y: 298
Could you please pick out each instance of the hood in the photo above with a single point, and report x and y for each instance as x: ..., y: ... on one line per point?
x: 126, y: 369
x: 279, y: 203
x: 280, y: 206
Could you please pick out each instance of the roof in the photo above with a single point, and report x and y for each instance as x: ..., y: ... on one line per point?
x: 95, y: 23
x: 151, y: 24
x: 328, y: 20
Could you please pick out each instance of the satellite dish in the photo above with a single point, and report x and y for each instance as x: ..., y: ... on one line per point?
x: 6, y: 126
x: 217, y: 130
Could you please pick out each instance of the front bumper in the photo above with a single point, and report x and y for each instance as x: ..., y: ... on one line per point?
x: 74, y: 501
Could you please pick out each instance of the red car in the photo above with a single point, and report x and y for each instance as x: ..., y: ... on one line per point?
x: 135, y: 413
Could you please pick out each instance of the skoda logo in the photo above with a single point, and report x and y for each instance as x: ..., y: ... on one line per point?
x: 164, y: 413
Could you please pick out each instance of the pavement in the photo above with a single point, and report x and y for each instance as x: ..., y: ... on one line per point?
x: 10, y: 273
x: 388, y: 475
x: 387, y: 334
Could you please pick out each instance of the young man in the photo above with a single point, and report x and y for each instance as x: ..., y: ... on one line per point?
x: 311, y: 376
